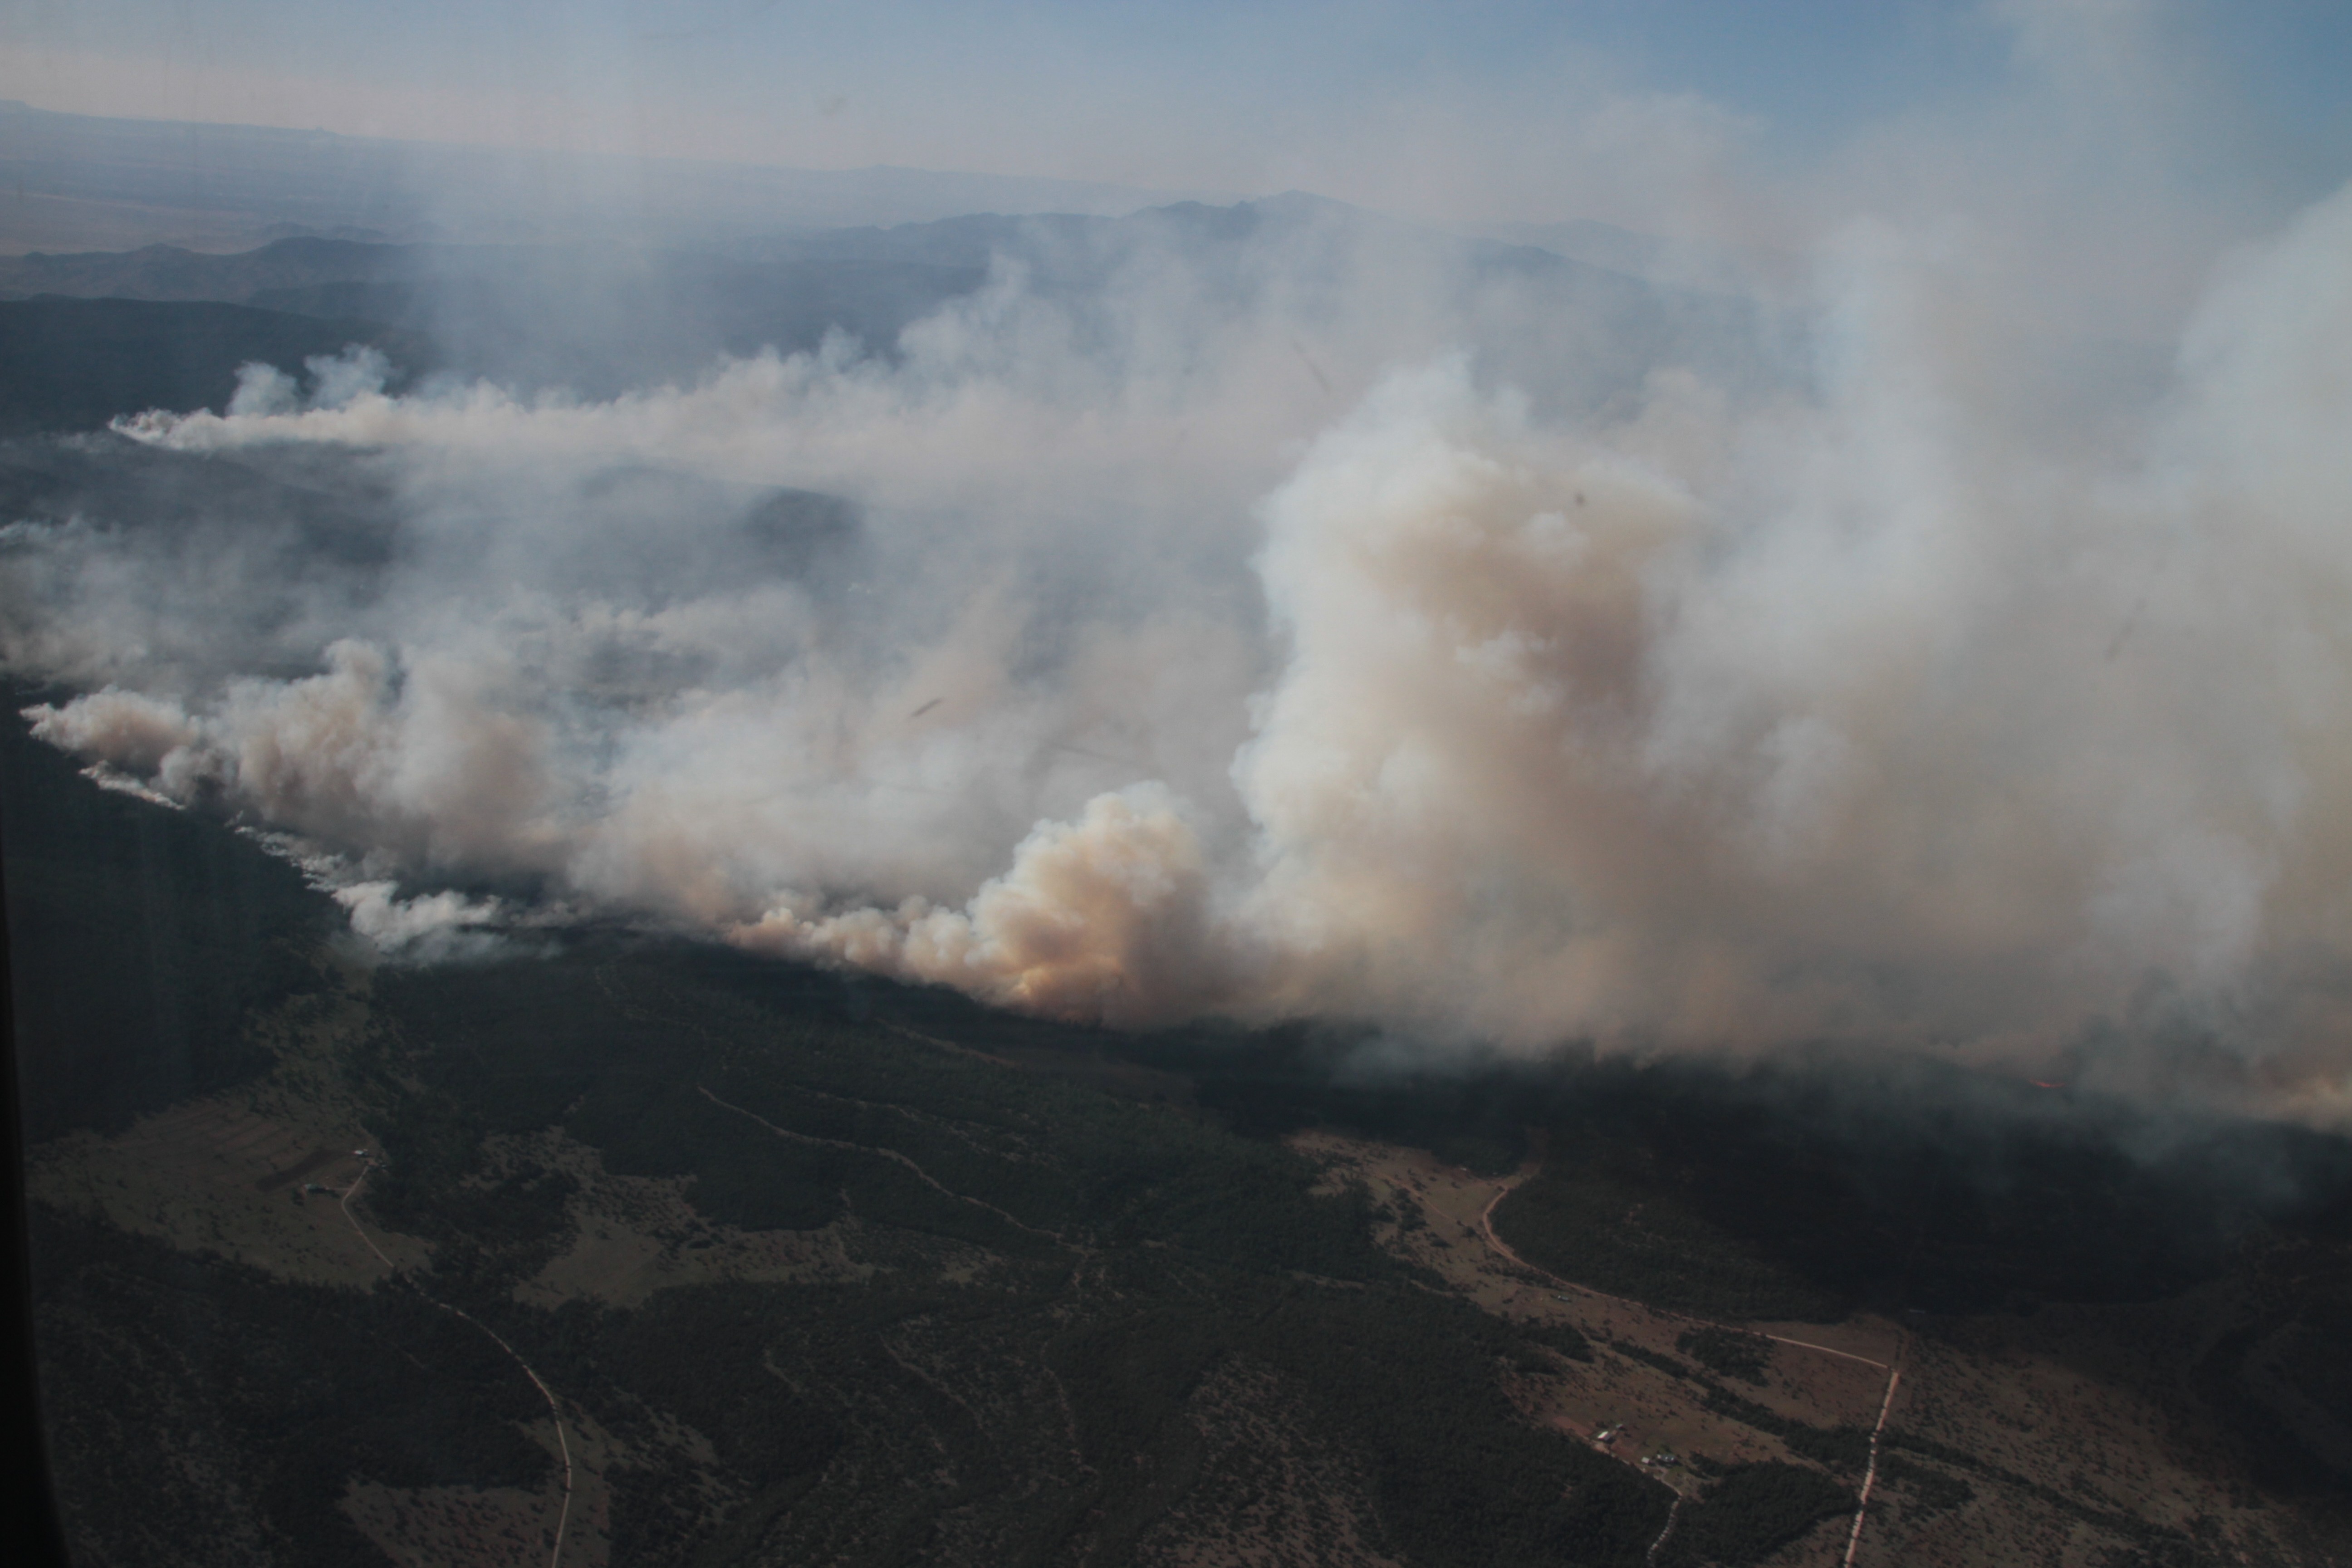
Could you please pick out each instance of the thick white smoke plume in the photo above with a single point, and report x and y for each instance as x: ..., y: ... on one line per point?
x: 1952, y: 682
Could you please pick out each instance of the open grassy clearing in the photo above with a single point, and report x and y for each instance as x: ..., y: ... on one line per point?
x: 2057, y: 1436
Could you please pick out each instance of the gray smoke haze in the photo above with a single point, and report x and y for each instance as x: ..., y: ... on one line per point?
x: 1310, y: 617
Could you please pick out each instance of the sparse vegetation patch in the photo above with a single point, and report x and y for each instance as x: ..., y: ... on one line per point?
x: 1728, y: 1351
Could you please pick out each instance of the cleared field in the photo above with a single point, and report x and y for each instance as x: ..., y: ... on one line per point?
x: 2059, y: 1437
x: 215, y: 1175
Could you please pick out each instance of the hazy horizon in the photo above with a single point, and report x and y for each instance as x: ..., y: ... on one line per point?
x: 1484, y: 112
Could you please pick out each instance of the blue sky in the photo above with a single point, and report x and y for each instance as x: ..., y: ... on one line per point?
x: 1498, y: 110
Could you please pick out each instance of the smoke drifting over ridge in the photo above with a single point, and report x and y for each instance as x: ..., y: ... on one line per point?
x: 1325, y: 623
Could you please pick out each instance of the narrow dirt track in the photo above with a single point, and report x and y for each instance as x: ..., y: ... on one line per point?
x: 555, y: 1410
x: 1658, y: 1545
x: 920, y: 1174
x: 1503, y: 1249
x: 1869, y: 1475
x: 1886, y: 1402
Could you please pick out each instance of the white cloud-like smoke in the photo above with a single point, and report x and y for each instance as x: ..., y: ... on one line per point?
x: 1252, y: 650
x: 435, y: 928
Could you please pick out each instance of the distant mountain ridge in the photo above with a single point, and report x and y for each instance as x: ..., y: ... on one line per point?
x: 173, y: 272
x: 87, y: 181
x: 74, y: 364
x: 600, y: 319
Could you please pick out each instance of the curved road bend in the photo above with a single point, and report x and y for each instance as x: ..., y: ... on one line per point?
x: 1886, y: 1402
x: 1487, y: 1228
x: 555, y: 1411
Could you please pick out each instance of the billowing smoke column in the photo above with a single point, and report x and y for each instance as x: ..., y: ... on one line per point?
x: 1901, y: 698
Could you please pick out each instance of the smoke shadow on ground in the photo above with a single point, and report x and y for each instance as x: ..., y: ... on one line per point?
x: 1807, y: 1187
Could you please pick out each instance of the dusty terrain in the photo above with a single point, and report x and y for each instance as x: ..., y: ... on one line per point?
x: 2057, y: 1438
x: 2060, y: 1440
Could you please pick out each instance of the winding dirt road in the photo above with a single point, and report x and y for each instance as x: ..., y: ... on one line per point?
x: 1503, y: 1249
x: 1886, y: 1404
x: 555, y: 1410
x: 1658, y: 1545
x: 920, y: 1174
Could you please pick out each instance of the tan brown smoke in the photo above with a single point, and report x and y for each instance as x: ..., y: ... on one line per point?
x: 1887, y: 704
